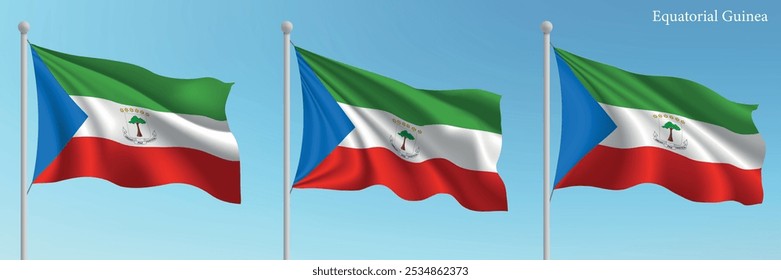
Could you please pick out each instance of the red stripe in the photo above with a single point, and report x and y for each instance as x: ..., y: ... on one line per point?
x: 138, y: 167
x: 356, y: 169
x: 618, y: 169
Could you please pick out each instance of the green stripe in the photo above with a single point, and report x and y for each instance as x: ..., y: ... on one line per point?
x: 613, y: 86
x: 466, y: 108
x: 135, y: 86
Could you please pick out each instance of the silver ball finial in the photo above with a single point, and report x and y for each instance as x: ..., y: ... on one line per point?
x: 547, y: 27
x: 287, y: 27
x: 24, y: 27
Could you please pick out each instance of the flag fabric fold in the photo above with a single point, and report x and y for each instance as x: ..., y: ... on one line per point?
x: 362, y: 129
x: 621, y: 129
x: 122, y: 123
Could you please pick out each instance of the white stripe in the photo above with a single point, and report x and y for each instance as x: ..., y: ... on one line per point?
x: 105, y: 120
x: 706, y: 142
x: 466, y: 148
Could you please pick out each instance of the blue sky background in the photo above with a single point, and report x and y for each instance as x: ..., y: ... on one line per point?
x: 492, y: 45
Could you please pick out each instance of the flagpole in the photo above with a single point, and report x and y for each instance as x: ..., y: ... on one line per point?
x: 24, y: 27
x: 286, y: 28
x: 547, y: 27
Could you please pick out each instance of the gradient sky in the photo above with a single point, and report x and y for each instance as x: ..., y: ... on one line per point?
x: 491, y: 45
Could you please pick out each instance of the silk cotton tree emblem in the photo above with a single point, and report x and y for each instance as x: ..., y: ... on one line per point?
x: 137, y: 120
x: 671, y: 126
x: 404, y: 140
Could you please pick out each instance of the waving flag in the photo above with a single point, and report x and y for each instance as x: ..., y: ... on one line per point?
x: 363, y: 129
x: 122, y: 123
x: 622, y: 129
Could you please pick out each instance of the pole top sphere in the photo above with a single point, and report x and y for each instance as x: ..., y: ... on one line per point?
x: 546, y: 27
x: 24, y: 27
x: 287, y: 26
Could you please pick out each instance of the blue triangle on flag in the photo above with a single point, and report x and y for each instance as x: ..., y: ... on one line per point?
x: 584, y: 124
x: 58, y: 116
x: 325, y: 124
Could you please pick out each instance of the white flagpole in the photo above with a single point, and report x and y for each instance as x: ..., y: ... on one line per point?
x: 547, y: 27
x: 286, y: 28
x: 24, y: 27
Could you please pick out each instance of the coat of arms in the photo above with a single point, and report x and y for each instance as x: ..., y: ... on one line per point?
x: 669, y: 131
x: 136, y: 127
